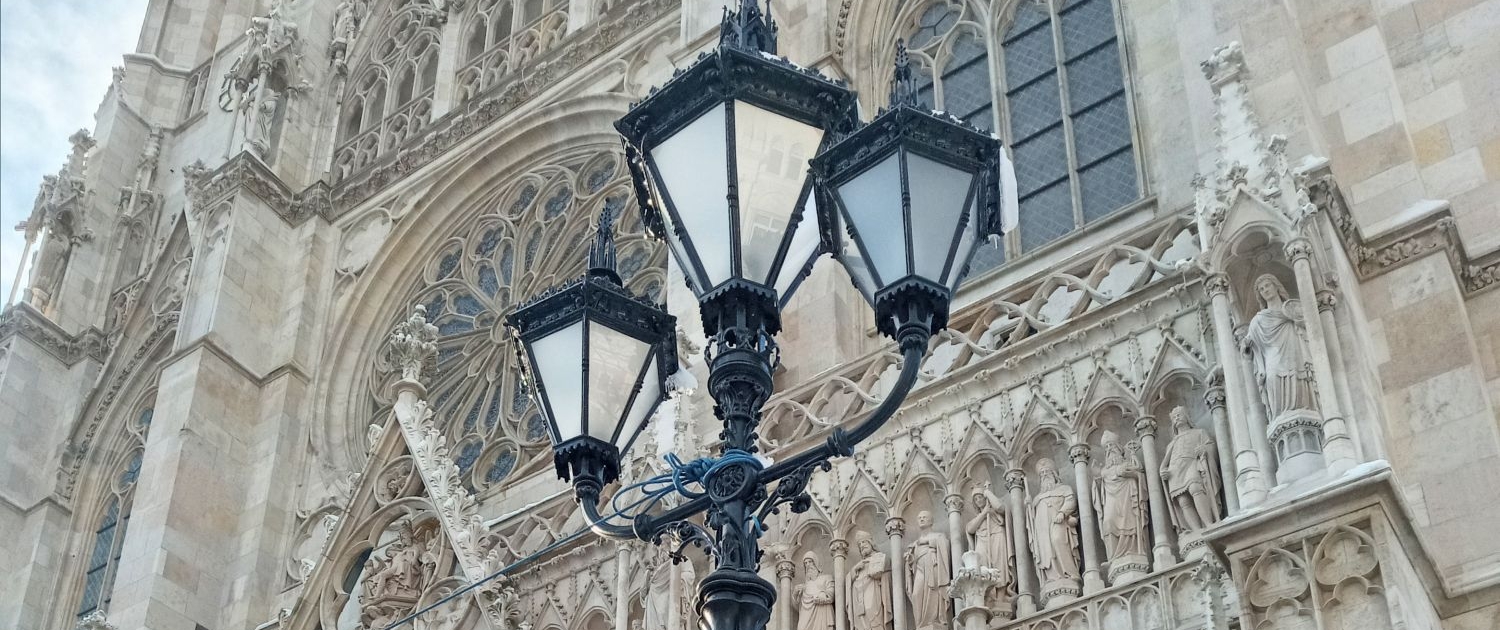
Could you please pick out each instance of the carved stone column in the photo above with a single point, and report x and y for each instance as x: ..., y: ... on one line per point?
x: 622, y: 586
x: 1327, y: 301
x: 955, y: 504
x: 894, y: 527
x: 1214, y: 397
x: 1015, y: 484
x: 1249, y: 476
x: 840, y: 550
x: 1338, y: 447
x: 786, y: 569
x: 1093, y: 581
x: 1161, y: 529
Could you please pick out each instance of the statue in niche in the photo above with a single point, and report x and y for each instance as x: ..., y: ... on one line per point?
x: 345, y: 29
x: 1054, y: 527
x: 814, y: 597
x: 395, y: 581
x: 928, y: 571
x: 1275, y: 346
x: 1120, y: 491
x: 869, y: 586
x: 689, y: 595
x: 989, y: 538
x: 658, y: 596
x: 1190, y: 472
x: 265, y: 122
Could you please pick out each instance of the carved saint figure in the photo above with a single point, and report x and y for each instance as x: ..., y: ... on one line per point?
x: 814, y: 597
x: 1275, y: 345
x: 928, y: 571
x: 397, y: 580
x: 659, y: 597
x: 1190, y: 472
x: 1054, y: 526
x: 265, y: 122
x: 345, y: 29
x: 869, y: 586
x: 1121, y: 494
x: 989, y: 538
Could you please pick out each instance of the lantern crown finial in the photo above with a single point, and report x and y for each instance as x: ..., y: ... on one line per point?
x: 903, y: 85
x: 602, y: 253
x: 749, y: 28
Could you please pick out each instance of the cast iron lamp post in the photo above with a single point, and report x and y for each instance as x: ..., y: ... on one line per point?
x: 720, y: 157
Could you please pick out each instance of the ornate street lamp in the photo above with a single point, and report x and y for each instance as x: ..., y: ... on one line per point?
x: 917, y: 192
x: 598, y: 358
x: 719, y: 158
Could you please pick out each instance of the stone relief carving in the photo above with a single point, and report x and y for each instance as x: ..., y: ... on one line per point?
x: 1121, y: 496
x: 394, y: 580
x: 928, y: 574
x: 869, y: 586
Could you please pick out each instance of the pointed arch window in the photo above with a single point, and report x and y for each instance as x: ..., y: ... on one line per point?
x: 1055, y: 69
x: 103, y: 560
x: 390, y: 99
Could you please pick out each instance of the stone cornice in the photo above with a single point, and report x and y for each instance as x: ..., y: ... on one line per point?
x: 22, y: 320
x: 1434, y: 231
x: 464, y: 121
x: 245, y: 172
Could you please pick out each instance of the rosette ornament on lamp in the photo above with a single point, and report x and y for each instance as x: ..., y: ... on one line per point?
x: 597, y: 357
x: 916, y: 191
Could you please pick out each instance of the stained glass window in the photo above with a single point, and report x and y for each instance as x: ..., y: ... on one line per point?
x: 529, y: 233
x: 103, y: 561
x: 1066, y: 117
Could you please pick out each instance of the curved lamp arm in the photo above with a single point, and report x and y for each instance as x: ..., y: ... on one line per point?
x: 842, y: 443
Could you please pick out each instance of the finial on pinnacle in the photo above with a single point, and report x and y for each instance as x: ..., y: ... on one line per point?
x: 413, y: 344
x: 749, y: 28
x: 903, y: 86
x: 602, y: 253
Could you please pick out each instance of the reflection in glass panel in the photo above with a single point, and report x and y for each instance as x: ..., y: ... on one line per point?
x: 938, y: 196
x: 771, y: 158
x: 691, y: 168
x: 873, y: 201
x: 615, y: 359
x: 644, y: 403
x: 558, y: 359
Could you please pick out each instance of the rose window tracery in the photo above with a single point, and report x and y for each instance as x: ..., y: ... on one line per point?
x: 530, y: 233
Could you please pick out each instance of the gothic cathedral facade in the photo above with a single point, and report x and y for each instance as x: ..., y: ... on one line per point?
x: 1235, y: 365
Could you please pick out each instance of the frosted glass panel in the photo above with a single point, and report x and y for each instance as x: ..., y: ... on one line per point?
x: 615, y: 360
x: 938, y: 193
x: 873, y: 199
x: 771, y: 156
x: 646, y: 401
x: 967, y: 243
x: 691, y: 165
x: 559, y: 363
x: 804, y: 245
x: 859, y: 271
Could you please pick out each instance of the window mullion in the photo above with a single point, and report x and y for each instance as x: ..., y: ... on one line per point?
x: 1061, y: 57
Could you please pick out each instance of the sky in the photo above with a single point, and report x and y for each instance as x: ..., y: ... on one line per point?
x: 55, y: 60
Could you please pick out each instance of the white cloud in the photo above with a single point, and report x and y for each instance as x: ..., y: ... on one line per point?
x: 55, y: 60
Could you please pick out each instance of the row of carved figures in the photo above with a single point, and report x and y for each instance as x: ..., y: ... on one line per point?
x: 997, y: 567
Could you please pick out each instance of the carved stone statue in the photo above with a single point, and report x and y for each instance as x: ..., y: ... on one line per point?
x: 658, y: 599
x: 972, y: 584
x: 869, y: 586
x: 1275, y: 346
x: 265, y: 122
x: 1190, y: 472
x: 394, y: 582
x: 689, y: 591
x: 345, y: 28
x: 814, y: 597
x: 928, y: 572
x: 989, y: 537
x: 1121, y: 495
x: 1054, y: 528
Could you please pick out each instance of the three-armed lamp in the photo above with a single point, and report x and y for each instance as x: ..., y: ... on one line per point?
x: 720, y: 157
